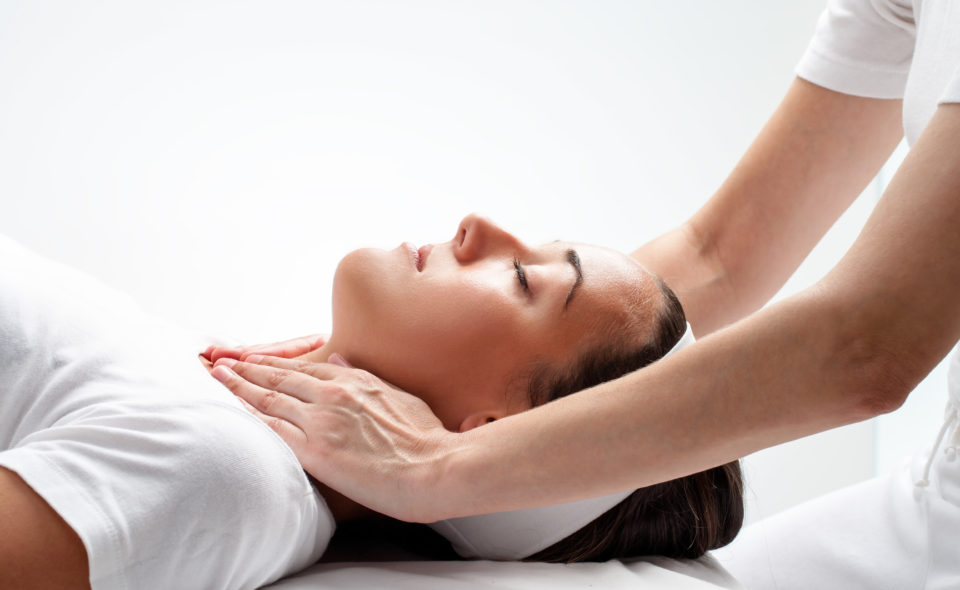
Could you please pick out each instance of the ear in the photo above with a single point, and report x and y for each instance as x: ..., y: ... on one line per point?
x: 479, y: 419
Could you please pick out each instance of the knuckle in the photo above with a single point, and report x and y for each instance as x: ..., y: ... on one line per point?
x: 338, y: 394
x: 269, y: 400
x: 276, y: 424
x: 367, y: 381
x: 276, y: 377
x: 239, y: 369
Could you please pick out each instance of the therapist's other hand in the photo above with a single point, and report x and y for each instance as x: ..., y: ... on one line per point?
x: 351, y: 430
x: 286, y: 349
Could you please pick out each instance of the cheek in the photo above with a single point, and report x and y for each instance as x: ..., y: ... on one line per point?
x: 472, y: 312
x: 445, y: 332
x: 459, y: 329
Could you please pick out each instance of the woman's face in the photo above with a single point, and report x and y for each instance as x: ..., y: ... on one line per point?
x: 460, y: 323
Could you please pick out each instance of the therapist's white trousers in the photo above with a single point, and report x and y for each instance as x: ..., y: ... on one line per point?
x: 884, y: 533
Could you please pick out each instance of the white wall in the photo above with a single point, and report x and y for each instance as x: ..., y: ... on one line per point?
x: 216, y: 159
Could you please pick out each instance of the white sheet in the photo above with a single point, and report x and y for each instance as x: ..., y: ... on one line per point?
x: 650, y: 574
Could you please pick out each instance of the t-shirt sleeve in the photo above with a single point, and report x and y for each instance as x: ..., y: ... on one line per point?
x: 107, y: 414
x: 952, y: 91
x: 176, y: 495
x: 862, y: 47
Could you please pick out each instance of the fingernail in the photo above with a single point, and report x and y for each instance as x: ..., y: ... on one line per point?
x: 221, y: 374
x: 337, y: 359
x: 228, y: 362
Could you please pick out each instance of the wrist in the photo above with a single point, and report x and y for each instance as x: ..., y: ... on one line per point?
x: 448, y: 476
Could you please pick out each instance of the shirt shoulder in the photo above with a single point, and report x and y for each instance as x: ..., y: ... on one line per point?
x: 862, y: 47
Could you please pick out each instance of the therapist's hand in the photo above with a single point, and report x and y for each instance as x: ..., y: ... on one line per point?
x: 351, y: 430
x: 286, y: 349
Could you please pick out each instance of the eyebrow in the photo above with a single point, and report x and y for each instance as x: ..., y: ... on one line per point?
x: 574, y: 259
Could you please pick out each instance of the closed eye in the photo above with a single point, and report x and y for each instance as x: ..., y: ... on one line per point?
x: 521, y: 276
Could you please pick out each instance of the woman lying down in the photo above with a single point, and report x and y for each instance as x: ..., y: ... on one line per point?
x: 125, y: 465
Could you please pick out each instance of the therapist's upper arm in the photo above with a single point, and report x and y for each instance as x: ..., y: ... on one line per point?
x: 38, y: 549
x: 900, y: 278
x: 814, y: 156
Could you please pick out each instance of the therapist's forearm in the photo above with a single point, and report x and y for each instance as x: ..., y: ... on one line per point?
x: 758, y: 383
x: 810, y: 161
x: 846, y: 349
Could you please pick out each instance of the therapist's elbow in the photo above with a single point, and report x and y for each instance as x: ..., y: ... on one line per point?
x: 884, y: 391
x: 873, y: 372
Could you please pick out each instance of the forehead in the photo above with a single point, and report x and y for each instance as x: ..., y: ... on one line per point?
x: 608, y: 269
x: 613, y: 283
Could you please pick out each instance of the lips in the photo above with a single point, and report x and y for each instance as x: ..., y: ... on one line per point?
x: 418, y: 257
x: 414, y: 254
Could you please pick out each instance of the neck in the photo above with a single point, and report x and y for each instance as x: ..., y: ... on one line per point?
x: 341, y: 507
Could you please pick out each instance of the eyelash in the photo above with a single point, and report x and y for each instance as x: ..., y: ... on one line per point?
x: 521, y: 276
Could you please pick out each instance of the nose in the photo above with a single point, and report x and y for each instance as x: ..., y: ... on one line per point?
x: 478, y: 237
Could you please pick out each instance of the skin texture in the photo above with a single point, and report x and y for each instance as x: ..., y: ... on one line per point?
x: 37, y: 548
x: 462, y: 330
x: 846, y: 349
x: 814, y: 156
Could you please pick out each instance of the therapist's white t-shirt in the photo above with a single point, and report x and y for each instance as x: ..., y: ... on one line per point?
x: 108, y: 415
x: 889, y: 49
x: 887, y: 533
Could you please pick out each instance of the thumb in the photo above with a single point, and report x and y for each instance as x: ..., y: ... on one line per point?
x: 337, y: 359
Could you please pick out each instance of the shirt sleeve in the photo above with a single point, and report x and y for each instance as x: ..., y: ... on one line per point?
x: 952, y: 92
x: 862, y: 47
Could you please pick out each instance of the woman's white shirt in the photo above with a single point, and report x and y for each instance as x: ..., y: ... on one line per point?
x: 108, y: 415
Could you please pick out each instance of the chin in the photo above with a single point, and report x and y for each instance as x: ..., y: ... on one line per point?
x: 363, y: 290
x: 351, y: 291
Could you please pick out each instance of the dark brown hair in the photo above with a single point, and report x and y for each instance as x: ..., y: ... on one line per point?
x: 683, y: 517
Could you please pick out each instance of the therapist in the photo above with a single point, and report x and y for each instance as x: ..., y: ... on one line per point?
x: 846, y: 349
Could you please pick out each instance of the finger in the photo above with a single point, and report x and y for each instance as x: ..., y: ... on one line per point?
x: 336, y: 366
x: 205, y: 362
x: 323, y: 371
x: 268, y: 401
x: 224, y: 352
x: 289, y: 348
x: 211, y: 352
x: 292, y: 434
x: 302, y: 386
x: 339, y: 360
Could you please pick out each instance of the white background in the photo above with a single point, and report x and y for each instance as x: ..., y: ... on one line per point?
x: 216, y: 159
